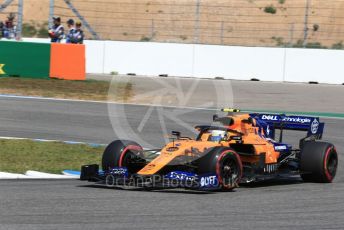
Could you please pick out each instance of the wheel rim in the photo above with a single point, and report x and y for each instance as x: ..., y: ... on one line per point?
x: 229, y: 172
x: 127, y: 158
x: 131, y: 160
x: 126, y: 150
x: 332, y: 163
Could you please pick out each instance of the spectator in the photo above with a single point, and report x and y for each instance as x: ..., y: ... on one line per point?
x: 2, y: 26
x: 8, y: 28
x: 78, y: 36
x: 71, y: 32
x: 56, y: 33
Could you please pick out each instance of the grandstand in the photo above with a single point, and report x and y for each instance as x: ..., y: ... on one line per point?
x: 227, y: 22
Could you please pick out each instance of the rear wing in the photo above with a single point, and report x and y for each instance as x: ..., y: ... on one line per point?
x: 270, y: 122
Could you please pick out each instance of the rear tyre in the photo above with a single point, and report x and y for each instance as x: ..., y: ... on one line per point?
x: 123, y: 153
x: 318, y: 162
x: 226, y: 164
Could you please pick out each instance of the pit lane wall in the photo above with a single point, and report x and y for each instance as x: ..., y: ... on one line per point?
x: 210, y: 61
x: 42, y: 60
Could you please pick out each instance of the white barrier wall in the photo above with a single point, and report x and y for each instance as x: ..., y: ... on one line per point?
x: 95, y: 53
x: 323, y: 66
x: 148, y: 58
x: 189, y: 60
x: 235, y: 62
x: 209, y: 61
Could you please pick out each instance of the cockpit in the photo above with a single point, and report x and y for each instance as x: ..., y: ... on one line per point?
x: 217, y: 133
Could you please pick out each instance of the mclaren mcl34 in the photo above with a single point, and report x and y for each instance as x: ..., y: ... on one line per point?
x: 239, y: 148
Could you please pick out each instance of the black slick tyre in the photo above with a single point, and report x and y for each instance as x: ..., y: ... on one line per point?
x: 123, y: 153
x: 318, y: 162
x: 225, y: 163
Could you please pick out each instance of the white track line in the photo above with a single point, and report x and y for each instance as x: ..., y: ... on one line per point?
x: 42, y: 175
x: 34, y: 175
x: 12, y: 176
x: 59, y: 141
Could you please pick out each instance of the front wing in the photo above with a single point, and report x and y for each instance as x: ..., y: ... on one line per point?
x: 120, y: 177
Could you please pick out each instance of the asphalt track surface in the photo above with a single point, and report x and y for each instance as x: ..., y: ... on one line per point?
x: 69, y: 204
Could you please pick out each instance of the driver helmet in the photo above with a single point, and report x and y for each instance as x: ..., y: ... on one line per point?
x: 217, y: 135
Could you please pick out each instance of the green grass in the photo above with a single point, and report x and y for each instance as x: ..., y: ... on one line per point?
x: 83, y: 90
x: 18, y: 156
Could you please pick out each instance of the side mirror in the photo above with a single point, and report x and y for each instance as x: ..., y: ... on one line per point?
x: 176, y: 133
x: 215, y: 117
x: 236, y: 138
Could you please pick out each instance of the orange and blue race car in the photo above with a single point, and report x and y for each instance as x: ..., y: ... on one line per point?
x: 240, y: 148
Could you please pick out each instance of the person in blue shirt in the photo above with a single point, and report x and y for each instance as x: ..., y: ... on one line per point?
x: 2, y: 28
x: 56, y: 33
x: 71, y: 32
x: 8, y: 29
x: 78, y: 35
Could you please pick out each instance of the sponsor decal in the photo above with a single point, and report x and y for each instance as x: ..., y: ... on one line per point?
x: 270, y: 117
x: 1, y: 69
x: 315, y: 126
x: 148, y: 167
x: 172, y: 149
x: 121, y: 171
x: 182, y: 176
x: 297, y: 119
x: 209, y: 181
x: 268, y: 130
x: 280, y: 147
x: 293, y: 119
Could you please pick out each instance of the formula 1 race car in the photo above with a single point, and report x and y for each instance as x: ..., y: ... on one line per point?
x: 242, y: 148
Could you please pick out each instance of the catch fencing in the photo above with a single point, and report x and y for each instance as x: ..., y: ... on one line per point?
x: 282, y: 23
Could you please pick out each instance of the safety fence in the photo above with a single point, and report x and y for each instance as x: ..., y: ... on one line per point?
x: 281, y: 23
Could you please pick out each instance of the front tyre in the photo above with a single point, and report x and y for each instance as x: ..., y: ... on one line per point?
x: 226, y: 164
x: 318, y: 162
x: 123, y: 153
